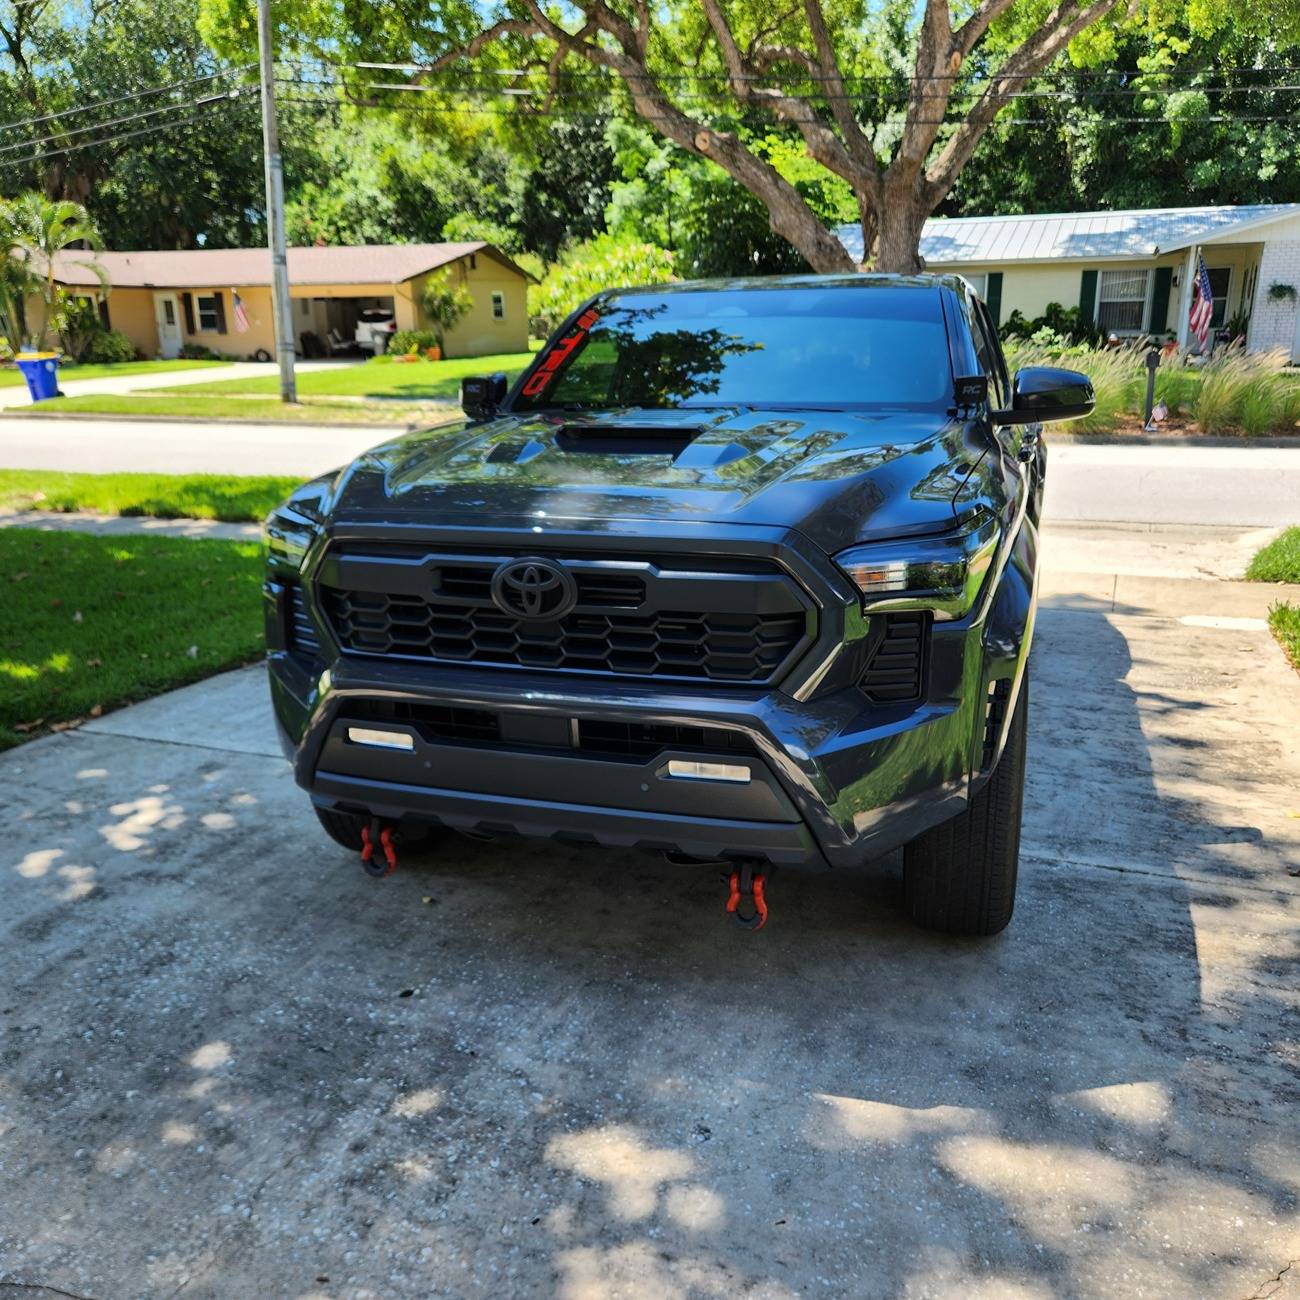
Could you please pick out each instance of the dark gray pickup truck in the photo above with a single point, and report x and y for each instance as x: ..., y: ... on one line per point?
x: 742, y: 572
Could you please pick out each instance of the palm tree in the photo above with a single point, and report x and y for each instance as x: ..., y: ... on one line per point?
x: 37, y: 229
x: 17, y: 282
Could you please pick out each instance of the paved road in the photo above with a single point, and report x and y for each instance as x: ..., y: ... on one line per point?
x: 160, y: 446
x: 1166, y: 485
x: 231, y: 1064
x: 1174, y: 485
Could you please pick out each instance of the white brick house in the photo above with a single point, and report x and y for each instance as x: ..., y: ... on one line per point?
x: 1131, y: 272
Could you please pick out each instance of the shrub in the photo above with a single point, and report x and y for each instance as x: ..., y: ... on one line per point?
x: 1061, y: 323
x: 108, y: 347
x: 197, y: 352
x: 444, y: 302
x: 1235, y: 391
x: 603, y: 263
x: 1242, y: 391
x: 409, y: 342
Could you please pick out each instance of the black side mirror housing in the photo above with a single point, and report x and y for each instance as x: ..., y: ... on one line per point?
x: 1040, y: 394
x: 482, y: 395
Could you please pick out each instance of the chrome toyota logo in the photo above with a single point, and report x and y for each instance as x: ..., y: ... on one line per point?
x: 534, y: 588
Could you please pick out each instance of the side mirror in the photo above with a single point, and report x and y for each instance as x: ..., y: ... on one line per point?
x: 1043, y: 393
x: 481, y: 395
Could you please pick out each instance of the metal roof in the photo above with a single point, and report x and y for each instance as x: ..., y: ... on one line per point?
x: 202, y: 268
x: 1077, y: 236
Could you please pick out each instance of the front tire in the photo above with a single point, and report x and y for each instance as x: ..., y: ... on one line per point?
x: 960, y: 877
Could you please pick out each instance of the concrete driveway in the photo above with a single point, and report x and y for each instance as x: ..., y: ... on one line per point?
x: 233, y: 1065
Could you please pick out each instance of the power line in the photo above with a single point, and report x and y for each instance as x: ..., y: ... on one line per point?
x: 120, y: 121
x: 157, y: 128
x: 122, y: 99
x: 569, y: 94
x: 1074, y: 74
x: 336, y: 104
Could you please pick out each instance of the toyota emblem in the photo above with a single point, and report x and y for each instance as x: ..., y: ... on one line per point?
x: 534, y: 588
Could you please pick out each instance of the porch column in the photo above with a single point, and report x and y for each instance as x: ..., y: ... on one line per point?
x: 1185, y: 297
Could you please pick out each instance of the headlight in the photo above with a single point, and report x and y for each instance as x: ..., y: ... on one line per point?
x: 290, y: 529
x: 943, y: 574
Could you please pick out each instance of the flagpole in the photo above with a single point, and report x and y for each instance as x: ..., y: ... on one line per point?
x: 280, y: 305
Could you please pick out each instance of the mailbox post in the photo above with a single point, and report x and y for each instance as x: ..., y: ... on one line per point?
x: 1153, y: 363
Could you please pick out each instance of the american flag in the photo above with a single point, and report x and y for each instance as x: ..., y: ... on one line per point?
x: 241, y: 316
x: 1202, y: 304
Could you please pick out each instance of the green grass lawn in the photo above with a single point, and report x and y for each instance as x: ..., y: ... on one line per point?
x: 380, y: 377
x: 10, y: 378
x: 96, y: 622
x: 185, y: 403
x: 165, y: 496
x: 1279, y: 561
x: 1284, y: 619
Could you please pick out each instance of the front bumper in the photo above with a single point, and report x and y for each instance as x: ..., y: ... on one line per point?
x: 835, y: 779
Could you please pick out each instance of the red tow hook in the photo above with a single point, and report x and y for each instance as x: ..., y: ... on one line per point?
x: 379, y: 835
x: 746, y: 883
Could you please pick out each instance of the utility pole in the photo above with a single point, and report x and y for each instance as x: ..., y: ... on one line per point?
x: 280, y: 305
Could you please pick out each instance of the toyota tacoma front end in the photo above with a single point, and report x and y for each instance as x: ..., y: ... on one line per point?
x: 741, y: 572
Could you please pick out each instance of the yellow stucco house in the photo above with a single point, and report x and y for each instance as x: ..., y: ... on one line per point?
x: 163, y: 299
x: 1130, y: 272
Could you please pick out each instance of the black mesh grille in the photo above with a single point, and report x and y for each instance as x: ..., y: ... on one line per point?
x: 634, y: 741
x: 743, y: 629
x: 303, y: 640
x: 897, y: 663
x: 644, y: 740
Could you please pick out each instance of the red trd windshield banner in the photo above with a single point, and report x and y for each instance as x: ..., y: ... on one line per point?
x: 559, y: 353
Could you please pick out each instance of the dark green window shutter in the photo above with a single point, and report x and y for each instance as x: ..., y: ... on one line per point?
x: 1160, y: 300
x: 187, y: 306
x: 1088, y: 297
x: 993, y: 296
x: 221, y: 311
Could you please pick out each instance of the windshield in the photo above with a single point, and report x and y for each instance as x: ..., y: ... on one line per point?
x: 851, y: 349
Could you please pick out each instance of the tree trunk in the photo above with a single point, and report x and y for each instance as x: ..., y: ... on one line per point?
x: 898, y: 233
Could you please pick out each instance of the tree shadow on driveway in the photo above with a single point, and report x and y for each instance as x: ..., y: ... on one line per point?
x: 528, y: 1069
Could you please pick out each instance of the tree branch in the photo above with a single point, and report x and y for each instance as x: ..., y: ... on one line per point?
x: 855, y: 139
x: 822, y: 143
x: 986, y: 13
x: 1065, y: 22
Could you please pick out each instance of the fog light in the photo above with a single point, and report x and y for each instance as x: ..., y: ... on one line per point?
x: 691, y: 771
x: 380, y: 739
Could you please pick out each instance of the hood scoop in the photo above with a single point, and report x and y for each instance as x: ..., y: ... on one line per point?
x: 625, y: 440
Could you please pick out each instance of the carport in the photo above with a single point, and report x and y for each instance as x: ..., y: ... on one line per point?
x: 325, y: 317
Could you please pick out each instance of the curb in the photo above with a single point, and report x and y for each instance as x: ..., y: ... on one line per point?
x: 1170, y: 440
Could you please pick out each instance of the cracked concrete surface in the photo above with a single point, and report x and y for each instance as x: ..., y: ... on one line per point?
x: 233, y: 1065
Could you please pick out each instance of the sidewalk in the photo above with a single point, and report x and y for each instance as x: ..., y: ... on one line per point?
x: 84, y: 521
x: 18, y: 396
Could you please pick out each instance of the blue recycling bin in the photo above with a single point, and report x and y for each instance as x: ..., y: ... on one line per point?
x: 41, y: 370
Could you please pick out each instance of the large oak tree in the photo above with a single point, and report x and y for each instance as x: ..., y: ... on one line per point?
x: 703, y: 73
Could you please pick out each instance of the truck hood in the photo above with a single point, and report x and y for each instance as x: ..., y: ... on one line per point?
x: 837, y: 476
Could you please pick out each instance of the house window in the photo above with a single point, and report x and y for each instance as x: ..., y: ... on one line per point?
x: 979, y: 283
x: 169, y: 312
x: 498, y: 306
x: 209, y: 314
x: 1122, y: 301
x: 1220, y: 280
x: 304, y: 307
